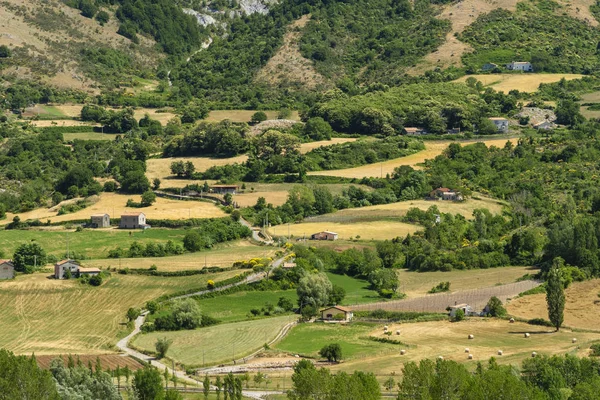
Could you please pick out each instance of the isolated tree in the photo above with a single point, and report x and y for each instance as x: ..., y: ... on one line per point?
x: 219, y: 386
x: 4, y: 51
x: 206, y: 387
x: 332, y: 352
x: 162, y: 346
x: 495, y: 307
x: 555, y: 293
x: 155, y: 184
x: 258, y: 116
x: 152, y: 306
x: 384, y: 279
x: 337, y: 295
x: 28, y: 256
x: 178, y: 168
x: 102, y: 17
x: 389, y: 384
x: 314, y: 290
x: 148, y: 198
x: 189, y: 169
x: 318, y: 129
x: 147, y: 384
x: 135, y: 182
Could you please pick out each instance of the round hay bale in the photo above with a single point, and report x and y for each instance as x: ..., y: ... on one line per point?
x: 471, y: 337
x: 512, y: 320
x: 398, y: 332
x: 470, y: 356
x: 385, y: 328
x: 526, y: 335
x: 533, y: 354
x: 467, y: 350
x: 574, y: 340
x: 440, y: 358
x: 499, y: 352
x: 402, y: 352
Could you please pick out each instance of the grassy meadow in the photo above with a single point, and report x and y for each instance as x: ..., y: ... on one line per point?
x: 357, y: 290
x: 370, y: 230
x: 218, y: 343
x: 236, y: 306
x: 89, y: 243
x: 49, y: 316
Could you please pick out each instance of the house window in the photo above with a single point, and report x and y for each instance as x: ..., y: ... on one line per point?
x: 329, y: 315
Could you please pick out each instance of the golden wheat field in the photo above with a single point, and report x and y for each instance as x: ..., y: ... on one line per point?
x: 113, y: 204
x: 432, y: 150
x: 161, y: 168
x: 521, y: 82
x: 49, y: 316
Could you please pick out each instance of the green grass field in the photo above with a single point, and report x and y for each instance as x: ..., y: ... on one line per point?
x: 49, y: 316
x: 236, y: 306
x: 89, y: 136
x: 308, y: 339
x: 357, y: 290
x: 218, y: 343
x: 89, y: 243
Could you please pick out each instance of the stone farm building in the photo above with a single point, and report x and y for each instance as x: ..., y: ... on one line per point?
x: 7, y: 269
x: 501, y: 124
x: 325, y: 235
x: 520, y: 66
x: 224, y: 189
x: 336, y: 313
x: 133, y: 221
x: 411, y: 131
x: 62, y: 266
x: 467, y: 309
x: 100, y: 221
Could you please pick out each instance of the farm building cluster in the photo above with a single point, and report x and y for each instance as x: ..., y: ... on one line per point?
x: 128, y: 221
x: 513, y: 66
x: 447, y: 194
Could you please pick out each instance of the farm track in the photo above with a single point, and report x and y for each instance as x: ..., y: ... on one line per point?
x: 476, y: 298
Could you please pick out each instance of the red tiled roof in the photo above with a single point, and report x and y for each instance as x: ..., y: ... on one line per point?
x: 344, y: 309
x: 65, y: 261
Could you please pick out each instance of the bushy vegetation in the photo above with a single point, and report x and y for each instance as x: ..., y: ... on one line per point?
x: 532, y: 33
x: 22, y: 378
x: 435, y: 107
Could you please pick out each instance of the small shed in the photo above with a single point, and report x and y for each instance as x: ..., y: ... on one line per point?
x: 501, y: 124
x: 61, y: 267
x: 545, y: 125
x: 133, y: 221
x: 325, y: 235
x: 224, y: 189
x: 489, y: 66
x: 89, y: 271
x: 100, y: 221
x: 288, y: 265
x: 337, y: 313
x: 7, y: 269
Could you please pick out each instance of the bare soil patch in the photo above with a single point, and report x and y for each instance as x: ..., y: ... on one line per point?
x: 108, y: 361
x: 288, y: 65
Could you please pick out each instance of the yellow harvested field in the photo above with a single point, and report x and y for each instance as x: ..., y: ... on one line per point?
x: 449, y: 340
x: 114, y: 205
x: 161, y: 168
x: 417, y: 284
x: 432, y: 150
x: 74, y: 111
x: 582, y: 307
x: 306, y: 147
x: 244, y: 115
x: 276, y: 198
x: 374, y: 230
x: 223, y: 256
x: 61, y: 122
x: 49, y: 316
x: 521, y: 82
x: 397, y: 210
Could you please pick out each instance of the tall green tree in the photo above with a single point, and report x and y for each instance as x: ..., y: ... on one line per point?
x: 555, y: 293
x: 28, y: 257
x: 147, y: 384
x: 21, y: 378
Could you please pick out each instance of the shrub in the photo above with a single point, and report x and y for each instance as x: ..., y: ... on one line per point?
x: 595, y: 349
x: 162, y: 346
x: 258, y: 116
x: 458, y: 316
x: 495, y: 307
x: 540, y: 321
x: 95, y: 280
x: 440, y: 287
x: 332, y: 352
